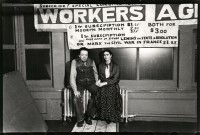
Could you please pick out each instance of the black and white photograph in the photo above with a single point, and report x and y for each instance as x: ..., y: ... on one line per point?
x: 100, y: 68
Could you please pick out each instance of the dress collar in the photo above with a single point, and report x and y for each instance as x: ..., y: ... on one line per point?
x: 106, y: 65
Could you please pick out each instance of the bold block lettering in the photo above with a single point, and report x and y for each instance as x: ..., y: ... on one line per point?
x: 170, y: 13
x: 93, y: 15
x: 189, y: 11
x: 80, y: 13
x: 106, y: 14
x: 63, y: 18
x: 137, y: 15
x: 121, y: 12
x: 49, y: 15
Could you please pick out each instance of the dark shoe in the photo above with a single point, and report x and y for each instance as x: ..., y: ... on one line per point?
x: 80, y: 123
x: 108, y: 121
x: 88, y: 120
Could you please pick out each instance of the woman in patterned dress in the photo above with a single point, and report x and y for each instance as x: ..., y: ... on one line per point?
x: 109, y: 98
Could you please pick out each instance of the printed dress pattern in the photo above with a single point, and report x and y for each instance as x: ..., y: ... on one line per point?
x: 109, y: 98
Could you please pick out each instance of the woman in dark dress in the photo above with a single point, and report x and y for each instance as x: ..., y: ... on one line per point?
x: 109, y: 98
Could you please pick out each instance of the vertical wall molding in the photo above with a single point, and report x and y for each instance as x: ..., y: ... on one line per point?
x: 58, y: 56
x: 185, y: 57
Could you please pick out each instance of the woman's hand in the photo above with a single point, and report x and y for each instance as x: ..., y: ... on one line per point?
x: 103, y: 84
x: 98, y: 83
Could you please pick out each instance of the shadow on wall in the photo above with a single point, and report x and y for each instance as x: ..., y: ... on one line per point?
x: 20, y: 113
x: 67, y: 73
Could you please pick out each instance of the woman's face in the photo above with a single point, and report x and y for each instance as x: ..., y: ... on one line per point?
x: 107, y: 56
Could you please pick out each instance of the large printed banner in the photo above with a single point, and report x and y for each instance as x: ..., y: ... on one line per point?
x: 116, y: 25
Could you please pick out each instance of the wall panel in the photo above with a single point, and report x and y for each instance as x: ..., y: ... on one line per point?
x: 163, y: 106
x: 49, y: 104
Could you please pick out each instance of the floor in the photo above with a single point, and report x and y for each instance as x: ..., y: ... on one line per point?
x: 97, y: 126
x: 60, y: 126
x: 185, y: 128
x: 158, y: 126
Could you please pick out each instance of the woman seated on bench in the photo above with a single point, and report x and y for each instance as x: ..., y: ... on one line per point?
x: 109, y: 98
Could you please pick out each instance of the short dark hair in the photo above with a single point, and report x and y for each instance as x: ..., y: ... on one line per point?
x: 82, y: 48
x: 107, y: 50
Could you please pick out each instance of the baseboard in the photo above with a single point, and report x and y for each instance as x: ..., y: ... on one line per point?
x: 175, y: 118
